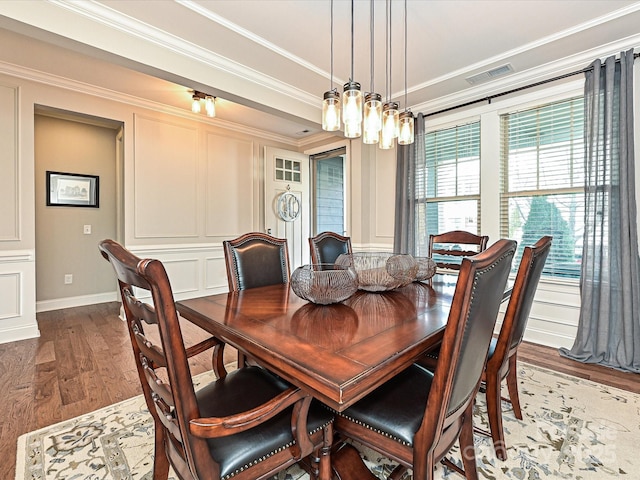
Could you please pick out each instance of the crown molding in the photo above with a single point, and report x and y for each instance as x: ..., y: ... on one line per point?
x: 107, y: 94
x: 130, y: 26
x: 529, y: 77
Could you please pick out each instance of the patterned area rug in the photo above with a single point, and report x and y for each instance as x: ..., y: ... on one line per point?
x: 572, y: 429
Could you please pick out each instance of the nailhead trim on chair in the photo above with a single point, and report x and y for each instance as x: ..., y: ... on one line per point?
x: 369, y: 427
x: 264, y: 457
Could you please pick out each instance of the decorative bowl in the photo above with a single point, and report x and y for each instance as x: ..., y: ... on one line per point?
x: 381, y: 271
x: 426, y: 268
x: 324, y: 283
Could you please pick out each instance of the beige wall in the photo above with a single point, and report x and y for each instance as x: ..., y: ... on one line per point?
x: 61, y: 245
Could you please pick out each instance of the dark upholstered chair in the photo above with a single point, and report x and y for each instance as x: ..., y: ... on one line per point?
x: 417, y: 416
x: 501, y: 363
x: 246, y: 424
x: 447, y: 249
x: 502, y: 360
x: 327, y: 246
x: 256, y: 260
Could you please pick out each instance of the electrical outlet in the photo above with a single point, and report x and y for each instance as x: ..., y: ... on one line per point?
x: 87, y: 229
x: 68, y: 279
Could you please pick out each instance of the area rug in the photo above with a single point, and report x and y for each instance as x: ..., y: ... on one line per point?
x: 572, y: 429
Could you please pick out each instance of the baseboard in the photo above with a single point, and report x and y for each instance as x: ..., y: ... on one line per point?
x: 81, y: 301
x: 19, y: 333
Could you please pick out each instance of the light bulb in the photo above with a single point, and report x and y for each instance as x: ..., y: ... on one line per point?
x: 331, y: 111
x: 372, y: 118
x: 352, y: 110
x: 389, y: 125
x: 210, y: 106
x: 195, y: 106
x: 406, y: 136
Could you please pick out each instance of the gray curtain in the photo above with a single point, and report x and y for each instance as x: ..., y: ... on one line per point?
x: 609, y: 325
x: 404, y: 237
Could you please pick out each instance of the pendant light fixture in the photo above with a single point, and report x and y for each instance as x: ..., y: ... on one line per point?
x: 390, y: 124
x: 331, y: 103
x: 352, y: 99
x: 372, y: 100
x: 195, y: 104
x: 406, y: 129
x: 210, y: 106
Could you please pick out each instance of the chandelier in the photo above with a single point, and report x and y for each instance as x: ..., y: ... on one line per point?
x: 375, y: 122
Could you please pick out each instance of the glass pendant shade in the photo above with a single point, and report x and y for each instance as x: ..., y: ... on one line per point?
x: 331, y: 111
x: 195, y: 105
x: 352, y: 110
x: 406, y: 135
x: 210, y: 106
x: 389, y: 125
x: 372, y: 118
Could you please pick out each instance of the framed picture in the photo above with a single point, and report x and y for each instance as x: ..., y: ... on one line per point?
x: 72, y: 190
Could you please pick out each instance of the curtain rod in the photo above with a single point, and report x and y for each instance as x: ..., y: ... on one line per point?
x: 508, y: 92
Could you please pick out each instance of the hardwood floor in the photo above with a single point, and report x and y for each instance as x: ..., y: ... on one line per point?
x: 82, y: 361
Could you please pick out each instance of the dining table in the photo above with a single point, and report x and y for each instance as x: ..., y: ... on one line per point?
x: 338, y: 353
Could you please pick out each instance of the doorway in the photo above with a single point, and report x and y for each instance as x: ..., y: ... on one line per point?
x: 69, y: 269
x: 328, y: 172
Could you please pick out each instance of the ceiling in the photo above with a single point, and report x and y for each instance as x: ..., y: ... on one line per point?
x: 269, y: 61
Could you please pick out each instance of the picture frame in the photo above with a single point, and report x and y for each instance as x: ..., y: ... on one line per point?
x: 72, y: 190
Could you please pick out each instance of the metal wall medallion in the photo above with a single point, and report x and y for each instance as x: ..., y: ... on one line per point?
x: 288, y: 206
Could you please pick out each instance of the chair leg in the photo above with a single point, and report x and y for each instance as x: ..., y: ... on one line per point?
x: 494, y: 411
x: 160, y: 460
x: 324, y: 459
x: 467, y: 450
x: 512, y: 385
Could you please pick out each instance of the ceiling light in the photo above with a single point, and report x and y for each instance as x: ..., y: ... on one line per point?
x: 389, y: 130
x: 195, y: 105
x: 352, y: 99
x: 390, y: 123
x: 331, y: 101
x: 210, y: 106
x: 209, y: 103
x: 372, y: 101
x: 405, y: 130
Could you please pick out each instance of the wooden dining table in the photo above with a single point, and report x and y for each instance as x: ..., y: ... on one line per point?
x: 338, y: 353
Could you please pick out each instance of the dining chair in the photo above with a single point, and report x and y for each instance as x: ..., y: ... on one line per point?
x: 256, y: 260
x: 417, y: 416
x: 448, y: 248
x: 503, y: 355
x: 246, y: 424
x: 503, y: 351
x: 327, y: 246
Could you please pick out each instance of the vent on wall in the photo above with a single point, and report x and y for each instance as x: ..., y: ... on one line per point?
x: 490, y: 74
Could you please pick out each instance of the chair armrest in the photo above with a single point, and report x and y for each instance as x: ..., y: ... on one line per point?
x: 214, y: 427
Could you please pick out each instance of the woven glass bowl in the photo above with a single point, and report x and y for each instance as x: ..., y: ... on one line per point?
x: 426, y: 268
x: 324, y: 283
x: 381, y: 271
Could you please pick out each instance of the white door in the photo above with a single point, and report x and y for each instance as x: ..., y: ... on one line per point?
x: 286, y: 201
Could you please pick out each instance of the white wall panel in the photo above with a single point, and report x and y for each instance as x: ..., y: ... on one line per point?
x: 229, y: 188
x: 183, y: 274
x: 166, y: 179
x: 9, y: 295
x: 215, y: 273
x: 9, y: 223
x: 385, y: 194
x: 194, y: 270
x: 17, y: 292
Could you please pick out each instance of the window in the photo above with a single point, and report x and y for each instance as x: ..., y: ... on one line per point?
x: 448, y: 184
x: 543, y: 182
x: 329, y: 192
